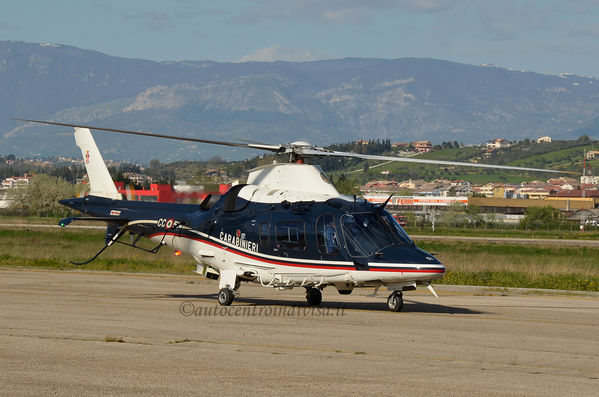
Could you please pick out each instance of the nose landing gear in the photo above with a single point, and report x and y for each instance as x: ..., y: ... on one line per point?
x: 395, y: 301
x: 226, y: 296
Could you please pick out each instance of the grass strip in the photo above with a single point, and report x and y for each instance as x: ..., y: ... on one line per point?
x: 570, y: 282
x: 468, y: 263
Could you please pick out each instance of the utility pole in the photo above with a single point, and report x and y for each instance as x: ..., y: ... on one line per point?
x: 582, y: 183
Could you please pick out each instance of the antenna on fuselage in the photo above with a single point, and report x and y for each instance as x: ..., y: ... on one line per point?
x: 387, y: 201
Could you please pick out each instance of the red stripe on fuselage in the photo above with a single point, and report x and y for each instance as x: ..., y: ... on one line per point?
x: 312, y: 266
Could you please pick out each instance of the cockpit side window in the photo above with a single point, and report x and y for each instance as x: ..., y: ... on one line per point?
x: 291, y: 235
x: 265, y: 234
x: 326, y: 235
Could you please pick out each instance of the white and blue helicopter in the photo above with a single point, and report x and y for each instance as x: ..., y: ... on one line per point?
x: 286, y: 227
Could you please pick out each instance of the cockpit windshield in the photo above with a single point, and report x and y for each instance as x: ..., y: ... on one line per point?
x: 367, y: 233
x: 401, y: 234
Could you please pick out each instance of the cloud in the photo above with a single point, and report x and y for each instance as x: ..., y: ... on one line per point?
x: 162, y: 21
x: 426, y: 5
x: 7, y: 26
x: 339, y: 11
x: 101, y: 6
x: 154, y: 20
x: 344, y: 16
x: 584, y: 6
x: 507, y: 20
x: 280, y: 53
x: 579, y: 30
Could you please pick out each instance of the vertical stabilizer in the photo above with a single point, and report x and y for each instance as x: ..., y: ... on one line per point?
x: 101, y: 183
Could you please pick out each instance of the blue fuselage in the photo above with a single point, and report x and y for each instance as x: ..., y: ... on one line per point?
x: 338, y: 233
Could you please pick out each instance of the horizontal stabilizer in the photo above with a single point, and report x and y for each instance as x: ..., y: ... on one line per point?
x: 67, y: 221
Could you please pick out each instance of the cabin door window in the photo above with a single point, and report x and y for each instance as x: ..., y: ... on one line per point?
x: 291, y: 235
x: 326, y: 235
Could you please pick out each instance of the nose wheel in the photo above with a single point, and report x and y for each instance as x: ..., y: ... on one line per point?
x: 226, y: 296
x: 395, y: 301
x: 313, y: 296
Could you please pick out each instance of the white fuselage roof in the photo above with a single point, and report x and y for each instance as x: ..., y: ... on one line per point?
x: 274, y: 183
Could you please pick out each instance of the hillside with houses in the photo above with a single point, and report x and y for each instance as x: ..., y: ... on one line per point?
x: 417, y: 188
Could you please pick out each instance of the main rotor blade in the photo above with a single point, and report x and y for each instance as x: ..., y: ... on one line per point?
x: 272, y: 148
x: 302, y: 150
x: 312, y: 152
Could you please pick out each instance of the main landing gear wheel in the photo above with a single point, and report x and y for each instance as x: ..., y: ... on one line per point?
x: 313, y: 296
x: 395, y: 301
x: 225, y: 296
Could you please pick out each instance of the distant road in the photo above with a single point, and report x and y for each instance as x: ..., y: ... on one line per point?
x: 510, y: 240
x: 504, y: 240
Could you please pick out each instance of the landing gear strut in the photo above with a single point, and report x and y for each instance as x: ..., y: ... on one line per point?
x: 313, y: 296
x: 226, y: 296
x: 395, y: 301
x: 228, y: 285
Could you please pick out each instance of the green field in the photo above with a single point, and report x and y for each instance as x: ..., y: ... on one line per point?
x: 567, y: 232
x: 468, y: 263
x: 55, y: 248
x: 517, y: 265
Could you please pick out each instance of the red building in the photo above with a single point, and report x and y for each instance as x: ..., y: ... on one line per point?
x: 166, y: 193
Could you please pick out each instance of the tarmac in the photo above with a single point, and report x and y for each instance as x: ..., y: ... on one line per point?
x: 92, y: 333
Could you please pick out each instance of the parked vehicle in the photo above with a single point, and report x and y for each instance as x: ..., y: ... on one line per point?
x: 401, y: 219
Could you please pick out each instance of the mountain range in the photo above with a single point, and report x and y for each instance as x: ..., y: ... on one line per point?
x: 322, y: 102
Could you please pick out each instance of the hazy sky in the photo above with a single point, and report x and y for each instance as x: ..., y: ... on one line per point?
x: 547, y: 36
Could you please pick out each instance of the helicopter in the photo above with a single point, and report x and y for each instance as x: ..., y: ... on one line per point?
x: 286, y: 227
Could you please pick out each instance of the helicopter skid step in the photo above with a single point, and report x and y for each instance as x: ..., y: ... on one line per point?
x: 290, y: 280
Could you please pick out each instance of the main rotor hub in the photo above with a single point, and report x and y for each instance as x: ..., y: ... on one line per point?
x: 301, y: 144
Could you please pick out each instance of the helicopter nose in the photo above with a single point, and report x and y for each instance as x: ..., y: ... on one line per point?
x: 436, y: 265
x: 442, y: 269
